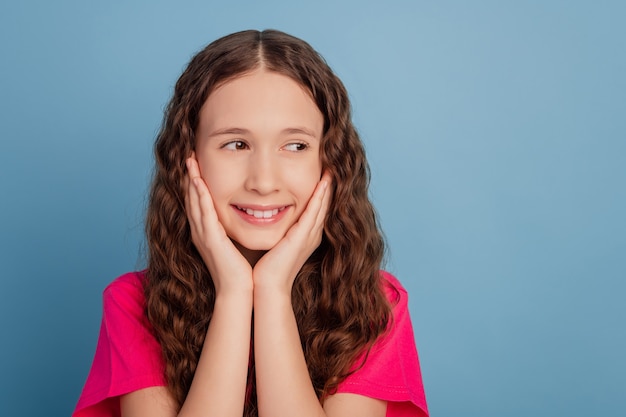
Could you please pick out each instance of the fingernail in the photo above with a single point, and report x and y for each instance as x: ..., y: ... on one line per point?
x: 324, y: 184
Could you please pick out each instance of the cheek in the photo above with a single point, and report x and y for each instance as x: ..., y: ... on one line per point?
x: 218, y: 179
x: 305, y: 181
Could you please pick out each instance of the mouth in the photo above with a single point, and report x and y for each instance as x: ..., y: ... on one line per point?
x: 261, y: 214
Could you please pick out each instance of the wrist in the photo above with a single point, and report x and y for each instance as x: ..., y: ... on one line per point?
x: 272, y: 293
x: 231, y: 294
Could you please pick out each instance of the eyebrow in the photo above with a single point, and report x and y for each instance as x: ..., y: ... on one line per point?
x: 300, y: 130
x: 229, y: 131
x: 240, y: 131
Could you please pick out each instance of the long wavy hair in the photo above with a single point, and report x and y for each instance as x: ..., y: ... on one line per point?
x: 337, y: 297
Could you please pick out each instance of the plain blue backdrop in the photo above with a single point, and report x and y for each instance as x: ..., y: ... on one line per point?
x: 496, y: 133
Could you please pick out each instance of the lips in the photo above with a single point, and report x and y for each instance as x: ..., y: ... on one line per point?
x: 267, y: 213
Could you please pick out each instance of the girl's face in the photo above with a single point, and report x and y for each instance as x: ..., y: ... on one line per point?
x: 258, y: 147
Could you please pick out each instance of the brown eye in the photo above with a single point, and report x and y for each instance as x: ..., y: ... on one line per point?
x: 296, y: 147
x: 236, y: 145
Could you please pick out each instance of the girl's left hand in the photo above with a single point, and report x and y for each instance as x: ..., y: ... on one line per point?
x: 277, y: 269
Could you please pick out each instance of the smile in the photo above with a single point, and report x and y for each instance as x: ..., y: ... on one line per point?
x: 261, y: 214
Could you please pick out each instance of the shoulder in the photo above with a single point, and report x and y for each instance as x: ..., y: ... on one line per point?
x: 394, y: 290
x: 123, y: 304
x: 125, y: 293
x: 127, y: 285
x: 390, y: 369
x: 399, y: 326
x: 391, y: 280
x: 128, y: 357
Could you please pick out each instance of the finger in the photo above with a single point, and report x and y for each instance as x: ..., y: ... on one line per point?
x: 192, y: 202
x: 310, y: 214
x: 320, y: 200
x: 205, y: 201
x: 192, y: 167
x: 309, y: 225
x: 326, y: 198
x: 207, y: 209
x: 208, y: 215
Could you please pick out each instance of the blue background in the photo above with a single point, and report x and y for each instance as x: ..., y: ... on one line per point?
x: 495, y: 130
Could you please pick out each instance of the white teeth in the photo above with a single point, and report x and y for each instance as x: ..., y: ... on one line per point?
x: 261, y: 214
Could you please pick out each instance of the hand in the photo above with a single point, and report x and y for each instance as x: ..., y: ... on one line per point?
x: 228, y: 267
x: 278, y: 267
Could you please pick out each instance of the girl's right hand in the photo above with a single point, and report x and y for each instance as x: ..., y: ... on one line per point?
x: 229, y: 269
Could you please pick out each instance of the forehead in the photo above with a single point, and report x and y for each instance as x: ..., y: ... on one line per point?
x: 262, y: 100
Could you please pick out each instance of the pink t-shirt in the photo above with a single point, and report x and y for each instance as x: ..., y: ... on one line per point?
x: 128, y: 357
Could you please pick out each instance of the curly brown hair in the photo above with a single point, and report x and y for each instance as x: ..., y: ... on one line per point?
x: 337, y: 297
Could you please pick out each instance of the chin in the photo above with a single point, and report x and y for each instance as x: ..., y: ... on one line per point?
x: 259, y: 246
x: 255, y: 244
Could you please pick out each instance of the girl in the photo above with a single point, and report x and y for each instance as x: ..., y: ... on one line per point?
x: 263, y: 293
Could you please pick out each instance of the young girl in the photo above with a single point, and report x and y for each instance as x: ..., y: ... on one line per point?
x: 263, y: 293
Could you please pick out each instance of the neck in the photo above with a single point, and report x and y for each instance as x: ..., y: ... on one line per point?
x: 252, y: 256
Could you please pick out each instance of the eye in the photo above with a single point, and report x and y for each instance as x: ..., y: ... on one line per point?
x: 236, y: 145
x: 296, y: 146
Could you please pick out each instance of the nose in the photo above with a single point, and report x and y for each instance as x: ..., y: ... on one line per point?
x: 263, y: 176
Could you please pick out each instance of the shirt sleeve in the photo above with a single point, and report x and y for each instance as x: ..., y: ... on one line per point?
x: 391, y: 370
x: 128, y: 357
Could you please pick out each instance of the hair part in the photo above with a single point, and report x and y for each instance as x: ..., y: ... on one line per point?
x: 337, y: 296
